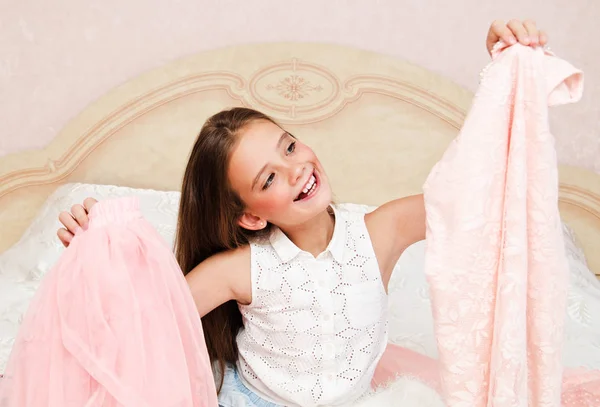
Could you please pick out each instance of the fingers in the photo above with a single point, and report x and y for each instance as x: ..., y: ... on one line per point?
x: 75, y: 220
x: 543, y: 38
x: 518, y: 29
x: 64, y: 236
x: 68, y: 221
x: 532, y: 32
x: 499, y: 31
x: 526, y: 33
x: 80, y: 215
x: 88, y: 203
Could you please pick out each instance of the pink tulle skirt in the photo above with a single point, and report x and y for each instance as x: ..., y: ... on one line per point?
x: 113, y: 324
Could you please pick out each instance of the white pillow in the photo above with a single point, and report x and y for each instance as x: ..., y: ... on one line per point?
x: 411, y: 325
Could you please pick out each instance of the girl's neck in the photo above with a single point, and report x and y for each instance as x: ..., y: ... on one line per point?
x: 314, y: 236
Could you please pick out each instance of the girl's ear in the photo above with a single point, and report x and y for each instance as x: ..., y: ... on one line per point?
x: 251, y: 222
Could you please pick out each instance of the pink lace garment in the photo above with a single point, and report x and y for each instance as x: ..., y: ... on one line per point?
x: 495, y: 258
x: 113, y: 324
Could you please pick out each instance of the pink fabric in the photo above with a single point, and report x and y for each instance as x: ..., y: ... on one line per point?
x: 495, y: 256
x: 495, y: 259
x: 113, y: 324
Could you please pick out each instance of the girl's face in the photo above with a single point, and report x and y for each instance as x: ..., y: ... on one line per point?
x: 279, y: 179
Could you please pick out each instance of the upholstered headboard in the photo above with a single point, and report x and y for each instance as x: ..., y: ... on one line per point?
x: 378, y: 124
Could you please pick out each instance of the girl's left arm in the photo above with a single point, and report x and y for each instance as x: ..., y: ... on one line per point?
x: 393, y: 227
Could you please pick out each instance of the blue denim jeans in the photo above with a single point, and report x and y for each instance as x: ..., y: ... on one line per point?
x: 235, y: 394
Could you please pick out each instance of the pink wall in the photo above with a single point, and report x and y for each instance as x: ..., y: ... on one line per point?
x: 56, y: 57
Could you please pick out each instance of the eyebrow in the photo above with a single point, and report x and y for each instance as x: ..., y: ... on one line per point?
x: 284, y: 135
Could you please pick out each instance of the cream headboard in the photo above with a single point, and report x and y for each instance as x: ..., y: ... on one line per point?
x: 378, y: 124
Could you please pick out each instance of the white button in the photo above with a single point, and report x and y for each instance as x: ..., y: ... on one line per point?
x: 322, y: 283
x: 330, y: 376
x: 327, y: 318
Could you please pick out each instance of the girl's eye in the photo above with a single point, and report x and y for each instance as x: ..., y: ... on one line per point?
x: 291, y: 147
x: 269, y: 181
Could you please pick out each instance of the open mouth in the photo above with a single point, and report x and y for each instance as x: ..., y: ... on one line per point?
x: 309, y: 188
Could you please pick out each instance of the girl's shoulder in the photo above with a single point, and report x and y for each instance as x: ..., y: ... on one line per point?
x: 229, y: 258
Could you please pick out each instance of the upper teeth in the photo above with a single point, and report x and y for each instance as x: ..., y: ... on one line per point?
x: 309, y: 184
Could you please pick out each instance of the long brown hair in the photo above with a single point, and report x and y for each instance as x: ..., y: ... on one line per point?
x: 207, y: 223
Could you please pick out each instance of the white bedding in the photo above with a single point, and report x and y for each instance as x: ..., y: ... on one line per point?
x: 411, y: 324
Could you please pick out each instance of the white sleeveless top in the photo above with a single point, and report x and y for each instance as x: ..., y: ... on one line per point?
x: 316, y: 327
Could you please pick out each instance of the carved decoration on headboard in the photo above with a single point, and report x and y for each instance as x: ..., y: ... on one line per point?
x: 291, y: 91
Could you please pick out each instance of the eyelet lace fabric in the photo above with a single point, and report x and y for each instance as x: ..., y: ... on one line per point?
x: 316, y: 327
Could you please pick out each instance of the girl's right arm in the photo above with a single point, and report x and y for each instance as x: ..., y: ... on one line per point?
x: 218, y: 279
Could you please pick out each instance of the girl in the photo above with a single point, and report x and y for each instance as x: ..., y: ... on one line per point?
x: 291, y: 289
